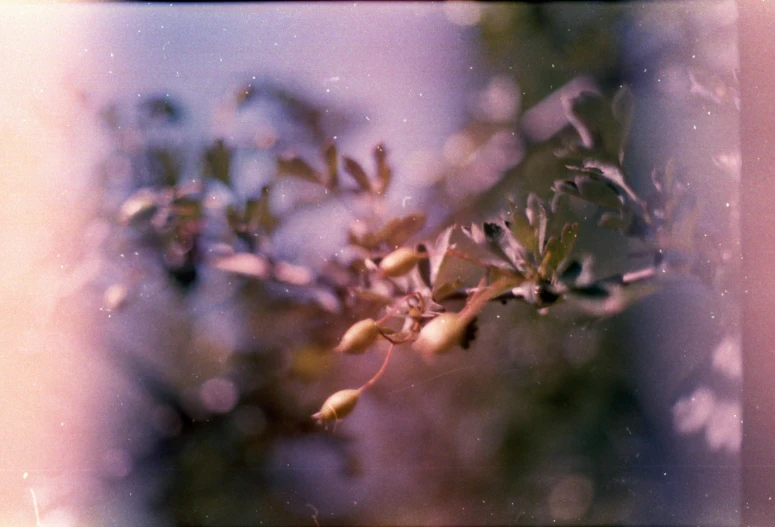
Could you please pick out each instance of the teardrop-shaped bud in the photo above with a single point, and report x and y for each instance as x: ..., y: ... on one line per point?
x: 338, y: 406
x: 400, y: 262
x: 440, y: 334
x: 359, y: 337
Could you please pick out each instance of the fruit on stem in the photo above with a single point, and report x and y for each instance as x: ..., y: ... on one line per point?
x: 359, y: 337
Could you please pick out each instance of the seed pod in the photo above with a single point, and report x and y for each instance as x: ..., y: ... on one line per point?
x: 400, y: 262
x: 359, y: 337
x: 338, y: 406
x: 440, y: 334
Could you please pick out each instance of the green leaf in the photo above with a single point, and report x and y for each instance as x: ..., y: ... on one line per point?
x: 536, y: 215
x: 521, y: 229
x: 598, y: 191
x: 570, y: 232
x: 552, y: 257
x: 357, y: 173
x: 610, y: 172
x: 566, y: 186
x: 384, y: 172
x: 557, y: 249
x: 293, y: 165
x: 217, y: 162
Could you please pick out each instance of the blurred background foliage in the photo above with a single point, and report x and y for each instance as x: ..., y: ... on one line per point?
x: 225, y: 334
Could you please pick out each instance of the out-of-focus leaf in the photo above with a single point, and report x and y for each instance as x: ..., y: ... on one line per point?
x: 683, y: 228
x: 521, y: 229
x: 233, y: 218
x: 327, y: 300
x: 217, y: 162
x: 220, y: 249
x: 397, y: 231
x: 614, y: 220
x: 593, y: 117
x: 187, y: 208
x: 623, y: 105
x: 611, y: 172
x: 165, y: 165
x: 140, y: 206
x: 245, y: 264
x: 258, y: 214
x: 310, y: 362
x: 293, y: 274
x: 370, y: 297
x: 357, y: 173
x: 566, y: 186
x: 293, y: 165
x: 394, y: 233
x: 366, y: 240
x: 189, y: 189
x: 244, y: 94
x: 712, y: 87
x: 332, y: 162
x: 384, y: 172
x: 664, y: 181
x: 598, y: 191
x: 161, y: 108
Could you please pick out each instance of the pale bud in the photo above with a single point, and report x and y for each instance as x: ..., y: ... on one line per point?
x: 338, y: 406
x: 400, y: 262
x: 440, y: 334
x: 359, y: 337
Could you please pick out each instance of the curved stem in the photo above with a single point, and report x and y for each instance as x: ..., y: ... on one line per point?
x: 368, y: 384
